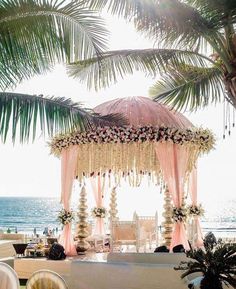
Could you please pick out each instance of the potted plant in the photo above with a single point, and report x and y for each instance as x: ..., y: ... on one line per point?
x: 216, y: 262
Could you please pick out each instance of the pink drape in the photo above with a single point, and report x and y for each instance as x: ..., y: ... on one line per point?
x: 97, y: 189
x: 197, y: 240
x: 68, y: 173
x: 173, y: 160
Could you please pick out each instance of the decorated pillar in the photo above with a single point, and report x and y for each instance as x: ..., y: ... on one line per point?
x: 113, y: 206
x: 82, y: 245
x: 167, y: 225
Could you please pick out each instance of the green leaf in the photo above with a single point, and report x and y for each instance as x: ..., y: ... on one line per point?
x: 28, y: 114
x: 218, y: 12
x: 189, y: 87
x: 35, y: 34
x: 104, y: 70
x: 169, y: 21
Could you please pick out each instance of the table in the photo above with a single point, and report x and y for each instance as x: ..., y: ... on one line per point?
x: 25, y: 267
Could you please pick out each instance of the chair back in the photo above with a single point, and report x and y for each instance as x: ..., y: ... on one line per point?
x: 8, y: 277
x: 123, y: 230
x: 46, y: 279
x: 148, y: 223
x: 148, y: 228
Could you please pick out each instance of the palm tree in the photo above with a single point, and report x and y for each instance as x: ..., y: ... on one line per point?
x: 194, y: 54
x: 216, y: 262
x: 34, y: 35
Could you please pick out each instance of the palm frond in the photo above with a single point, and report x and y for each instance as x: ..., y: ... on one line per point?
x: 36, y: 34
x: 25, y: 114
x: 169, y: 21
x: 189, y: 87
x: 104, y: 70
x: 220, y: 12
x: 125, y: 8
x: 212, y: 262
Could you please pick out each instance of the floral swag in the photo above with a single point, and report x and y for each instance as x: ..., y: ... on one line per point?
x: 195, y: 211
x: 179, y: 214
x: 99, y: 212
x: 65, y: 217
x: 201, y: 138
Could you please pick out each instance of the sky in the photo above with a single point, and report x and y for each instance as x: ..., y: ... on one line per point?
x: 30, y: 170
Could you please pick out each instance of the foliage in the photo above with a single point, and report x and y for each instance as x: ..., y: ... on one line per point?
x: 34, y: 35
x: 22, y: 113
x: 194, y: 52
x: 216, y: 261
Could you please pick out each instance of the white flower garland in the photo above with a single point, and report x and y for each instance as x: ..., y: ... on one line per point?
x: 65, y: 217
x: 99, y: 212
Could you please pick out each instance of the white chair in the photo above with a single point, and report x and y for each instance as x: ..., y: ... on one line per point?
x: 124, y: 233
x: 8, y: 277
x: 148, y: 229
x: 46, y: 279
x: 95, y: 241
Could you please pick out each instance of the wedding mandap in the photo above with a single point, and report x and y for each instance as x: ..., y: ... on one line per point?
x: 157, y: 143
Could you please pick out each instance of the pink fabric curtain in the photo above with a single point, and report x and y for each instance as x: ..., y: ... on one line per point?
x: 97, y: 188
x: 197, y: 240
x: 173, y: 160
x: 68, y: 173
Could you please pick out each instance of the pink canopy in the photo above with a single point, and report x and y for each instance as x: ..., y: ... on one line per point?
x: 139, y: 110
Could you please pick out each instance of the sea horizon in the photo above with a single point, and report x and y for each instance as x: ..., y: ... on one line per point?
x: 29, y: 213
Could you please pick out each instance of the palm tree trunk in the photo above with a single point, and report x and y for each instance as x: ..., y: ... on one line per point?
x: 230, y: 86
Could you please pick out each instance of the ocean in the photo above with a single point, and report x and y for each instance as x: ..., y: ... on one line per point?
x: 26, y: 214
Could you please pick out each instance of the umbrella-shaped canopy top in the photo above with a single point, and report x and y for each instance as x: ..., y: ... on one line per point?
x: 141, y: 111
x: 131, y: 150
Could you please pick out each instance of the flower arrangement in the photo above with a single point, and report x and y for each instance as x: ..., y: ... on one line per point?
x: 195, y: 210
x: 179, y: 214
x: 202, y: 138
x: 99, y: 212
x: 65, y: 217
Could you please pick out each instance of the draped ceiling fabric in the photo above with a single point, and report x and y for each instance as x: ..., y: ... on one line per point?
x: 157, y: 142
